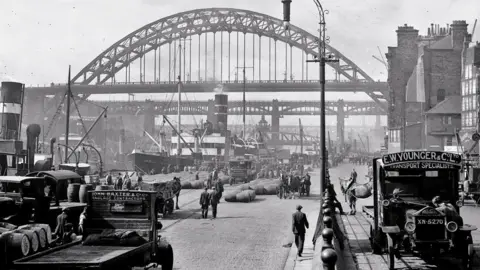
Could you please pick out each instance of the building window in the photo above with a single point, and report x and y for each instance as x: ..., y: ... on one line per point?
x: 440, y: 95
x: 448, y: 141
x: 447, y: 120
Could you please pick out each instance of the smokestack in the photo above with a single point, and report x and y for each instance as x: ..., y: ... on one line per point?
x: 11, y: 112
x: 33, y: 132
x: 433, y: 30
x: 221, y: 112
x: 428, y: 32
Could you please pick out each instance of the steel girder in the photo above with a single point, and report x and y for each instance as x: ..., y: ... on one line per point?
x: 195, y: 22
x: 236, y: 107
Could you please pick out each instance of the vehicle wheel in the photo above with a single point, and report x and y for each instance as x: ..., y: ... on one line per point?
x: 468, y: 259
x: 391, y: 254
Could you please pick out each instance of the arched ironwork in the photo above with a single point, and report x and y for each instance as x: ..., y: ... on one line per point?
x: 196, y: 22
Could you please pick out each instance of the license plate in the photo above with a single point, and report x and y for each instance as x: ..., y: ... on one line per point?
x: 430, y: 221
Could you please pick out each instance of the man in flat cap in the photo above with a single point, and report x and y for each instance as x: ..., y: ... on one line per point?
x: 299, y: 226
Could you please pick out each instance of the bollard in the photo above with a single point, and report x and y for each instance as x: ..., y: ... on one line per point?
x: 329, y: 259
x: 325, y: 205
x: 327, y: 222
x: 327, y: 212
x: 327, y: 235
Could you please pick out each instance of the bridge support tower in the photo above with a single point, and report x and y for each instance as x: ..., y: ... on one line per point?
x: 275, y: 120
x: 341, y: 124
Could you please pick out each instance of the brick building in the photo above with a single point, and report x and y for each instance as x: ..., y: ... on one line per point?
x: 423, y: 71
x: 470, y: 95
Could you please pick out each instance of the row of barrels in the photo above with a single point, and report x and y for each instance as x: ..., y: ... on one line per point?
x: 24, y: 240
x: 239, y: 195
x: 79, y: 193
x: 199, y: 184
x: 248, y: 192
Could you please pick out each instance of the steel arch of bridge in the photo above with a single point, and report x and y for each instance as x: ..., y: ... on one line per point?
x: 199, y: 21
x: 236, y: 107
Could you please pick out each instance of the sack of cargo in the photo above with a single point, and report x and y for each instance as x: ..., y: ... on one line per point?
x: 232, y: 196
x: 362, y: 191
x: 243, y: 197
x: 244, y: 187
x: 252, y: 194
x: 186, y: 185
x: 121, y: 238
x: 259, y: 189
x: 271, y: 190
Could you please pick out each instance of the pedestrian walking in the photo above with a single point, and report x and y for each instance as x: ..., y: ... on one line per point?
x: 299, y: 226
x: 204, y: 202
x: 214, y: 199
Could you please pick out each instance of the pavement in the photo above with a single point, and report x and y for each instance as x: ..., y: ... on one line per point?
x: 357, y: 229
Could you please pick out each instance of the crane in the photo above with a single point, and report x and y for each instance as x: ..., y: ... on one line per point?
x: 381, y: 59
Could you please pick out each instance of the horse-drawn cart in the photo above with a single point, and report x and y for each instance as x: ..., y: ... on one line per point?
x: 166, y: 192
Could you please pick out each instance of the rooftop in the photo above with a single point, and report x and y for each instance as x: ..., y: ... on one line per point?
x: 451, y: 105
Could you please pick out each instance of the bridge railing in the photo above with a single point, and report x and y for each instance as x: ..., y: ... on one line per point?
x: 213, y: 82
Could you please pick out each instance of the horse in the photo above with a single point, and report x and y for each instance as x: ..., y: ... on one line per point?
x: 355, y: 191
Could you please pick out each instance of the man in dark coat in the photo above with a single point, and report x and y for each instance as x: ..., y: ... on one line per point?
x: 205, y: 202
x: 299, y: 226
x: 119, y: 182
x: 214, y: 201
x: 109, y: 179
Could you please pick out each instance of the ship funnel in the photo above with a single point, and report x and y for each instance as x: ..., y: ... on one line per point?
x: 11, y: 98
x: 221, y: 112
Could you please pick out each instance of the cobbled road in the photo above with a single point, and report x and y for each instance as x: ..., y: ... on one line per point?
x: 244, y: 235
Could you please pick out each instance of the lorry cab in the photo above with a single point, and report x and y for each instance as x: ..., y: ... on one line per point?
x: 403, y: 214
x: 239, y: 169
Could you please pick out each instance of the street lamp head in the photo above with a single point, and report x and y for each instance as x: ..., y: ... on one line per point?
x: 286, y: 10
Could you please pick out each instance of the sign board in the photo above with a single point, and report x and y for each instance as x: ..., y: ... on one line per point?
x: 121, y: 202
x: 422, y: 160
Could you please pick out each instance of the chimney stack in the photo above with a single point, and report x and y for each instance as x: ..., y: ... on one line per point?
x: 433, y: 30
x: 459, y: 31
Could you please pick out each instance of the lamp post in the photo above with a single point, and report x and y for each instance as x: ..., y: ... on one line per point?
x: 322, y: 59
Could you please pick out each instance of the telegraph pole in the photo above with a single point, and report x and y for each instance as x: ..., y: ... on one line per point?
x: 244, y: 97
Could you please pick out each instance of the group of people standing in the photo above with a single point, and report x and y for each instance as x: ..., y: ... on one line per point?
x: 212, y: 198
x: 292, y: 184
x: 124, y: 182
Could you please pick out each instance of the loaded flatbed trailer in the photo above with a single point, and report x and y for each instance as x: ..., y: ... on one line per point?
x: 110, y: 215
x: 77, y: 256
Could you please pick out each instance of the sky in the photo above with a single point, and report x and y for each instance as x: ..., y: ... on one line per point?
x: 41, y: 38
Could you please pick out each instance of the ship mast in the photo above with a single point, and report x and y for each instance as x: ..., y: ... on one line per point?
x: 180, y: 88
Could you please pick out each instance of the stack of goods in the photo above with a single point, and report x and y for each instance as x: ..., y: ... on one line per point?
x: 24, y: 240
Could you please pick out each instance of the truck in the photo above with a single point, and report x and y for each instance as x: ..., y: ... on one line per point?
x: 241, y: 170
x: 110, y: 212
x: 405, y: 219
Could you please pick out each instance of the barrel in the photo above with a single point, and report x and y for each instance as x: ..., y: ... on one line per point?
x: 243, y: 197
x: 7, y: 226
x: 17, y: 244
x: 47, y: 229
x: 41, y: 232
x: 72, y: 192
x: 32, y: 238
x: 83, y: 192
x: 11, y: 97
